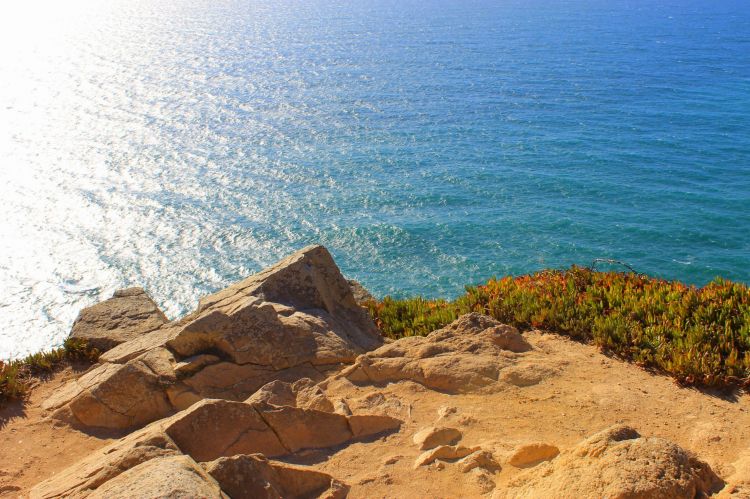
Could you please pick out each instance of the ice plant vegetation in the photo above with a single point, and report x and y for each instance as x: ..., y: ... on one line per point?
x: 15, y: 375
x: 699, y: 335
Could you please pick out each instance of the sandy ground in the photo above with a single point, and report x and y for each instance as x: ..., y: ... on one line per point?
x: 591, y: 392
x: 587, y: 393
x: 33, y: 448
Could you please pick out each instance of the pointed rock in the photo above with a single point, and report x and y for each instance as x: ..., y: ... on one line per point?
x: 129, y: 314
x: 296, y: 319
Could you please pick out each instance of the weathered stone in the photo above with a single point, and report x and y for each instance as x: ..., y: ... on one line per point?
x: 431, y: 437
x: 528, y: 455
x: 138, y: 346
x: 464, y: 356
x: 195, y: 363
x: 303, y: 393
x: 129, y: 314
x: 480, y: 459
x: 361, y: 295
x: 255, y: 477
x: 365, y: 425
x: 107, y: 463
x: 118, y: 395
x: 246, y: 477
x: 445, y: 452
x: 301, y: 310
x: 214, y: 428
x: 230, y: 381
x: 617, y: 463
x: 211, y: 429
x: 306, y: 429
x: 170, y: 476
x: 297, y: 319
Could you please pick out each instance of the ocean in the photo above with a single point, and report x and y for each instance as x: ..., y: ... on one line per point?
x: 182, y: 145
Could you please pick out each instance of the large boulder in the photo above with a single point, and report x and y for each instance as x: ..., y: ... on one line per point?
x: 468, y: 354
x: 129, y: 314
x: 617, y: 462
x: 296, y: 319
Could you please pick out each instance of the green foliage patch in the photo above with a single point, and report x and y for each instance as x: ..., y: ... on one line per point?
x: 15, y: 375
x: 698, y: 335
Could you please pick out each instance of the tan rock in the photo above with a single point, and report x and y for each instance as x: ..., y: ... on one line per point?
x: 214, y: 428
x: 170, y: 476
x: 303, y: 393
x: 738, y: 480
x: 480, y: 459
x: 299, y: 310
x: 129, y: 314
x: 445, y: 452
x: 142, y: 344
x: 483, y: 479
x: 464, y: 356
x: 306, y: 429
x: 297, y: 319
x: 230, y: 381
x: 361, y: 295
x: 195, y: 363
x: 246, y: 477
x: 432, y: 436
x: 528, y: 455
x: 118, y: 395
x: 365, y: 425
x: 255, y: 477
x: 618, y: 463
x: 107, y: 463
x: 309, y: 395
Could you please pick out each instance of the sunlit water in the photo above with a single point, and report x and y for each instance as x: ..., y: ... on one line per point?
x: 181, y: 145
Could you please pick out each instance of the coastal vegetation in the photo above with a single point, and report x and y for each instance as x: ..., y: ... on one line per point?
x: 16, y: 375
x: 699, y: 335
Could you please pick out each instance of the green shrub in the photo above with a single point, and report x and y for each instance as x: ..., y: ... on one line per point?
x: 698, y: 335
x: 15, y: 375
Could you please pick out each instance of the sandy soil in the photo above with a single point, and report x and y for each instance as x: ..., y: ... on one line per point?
x: 33, y: 448
x: 591, y: 392
x: 587, y: 392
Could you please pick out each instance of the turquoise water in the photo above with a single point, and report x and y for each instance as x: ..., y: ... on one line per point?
x: 181, y: 145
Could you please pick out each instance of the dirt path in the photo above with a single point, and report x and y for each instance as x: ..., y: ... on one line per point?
x: 33, y: 448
